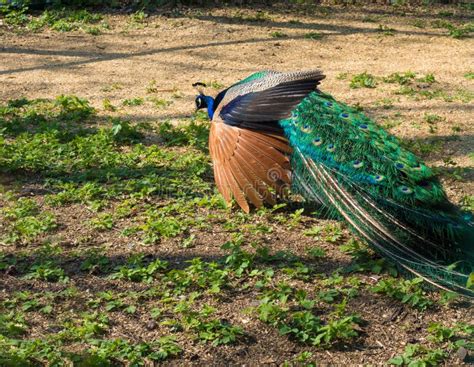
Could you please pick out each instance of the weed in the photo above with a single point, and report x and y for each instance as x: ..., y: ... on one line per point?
x: 385, y: 30
x: 218, y: 332
x: 316, y: 252
x: 365, y: 260
x: 159, y: 103
x: 12, y: 325
x: 124, y: 132
x: 258, y: 16
x: 47, y: 271
x: 66, y: 20
x: 406, y: 291
x: 137, y: 101
x: 214, y: 84
x: 370, y: 19
x: 278, y: 34
x: 138, y: 271
x: 400, y: 78
x: 457, y: 32
x: 102, y: 222
x: 467, y: 202
x: 363, y: 80
x: 342, y: 76
x: 138, y: 18
x: 239, y: 260
x: 108, y: 106
x: 418, y: 23
x: 433, y: 118
x: 428, y: 78
x: 121, y: 350
x: 313, y: 36
x: 95, y: 261
x: 25, y: 221
x: 417, y: 355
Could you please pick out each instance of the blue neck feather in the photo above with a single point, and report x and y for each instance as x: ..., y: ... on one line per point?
x: 210, y: 106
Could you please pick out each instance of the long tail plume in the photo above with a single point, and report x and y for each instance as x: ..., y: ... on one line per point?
x: 377, y: 221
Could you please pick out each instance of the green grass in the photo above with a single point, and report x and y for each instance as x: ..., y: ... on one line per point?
x: 454, y: 31
x: 24, y: 221
x: 363, y: 80
x: 118, y: 239
x: 407, y: 291
x: 60, y: 20
x: 278, y: 34
x: 313, y: 35
x: 385, y: 30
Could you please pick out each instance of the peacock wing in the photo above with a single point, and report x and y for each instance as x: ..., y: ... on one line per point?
x: 250, y: 166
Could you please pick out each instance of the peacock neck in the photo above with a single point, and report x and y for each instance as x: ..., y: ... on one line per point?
x: 210, y: 106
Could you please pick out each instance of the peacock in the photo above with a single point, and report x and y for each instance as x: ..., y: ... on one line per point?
x: 276, y: 132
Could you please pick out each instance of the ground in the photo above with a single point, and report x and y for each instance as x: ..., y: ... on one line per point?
x: 115, y: 246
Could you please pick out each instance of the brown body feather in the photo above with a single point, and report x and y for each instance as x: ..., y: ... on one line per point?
x: 249, y: 164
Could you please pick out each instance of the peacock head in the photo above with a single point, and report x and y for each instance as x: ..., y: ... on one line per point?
x: 203, y: 101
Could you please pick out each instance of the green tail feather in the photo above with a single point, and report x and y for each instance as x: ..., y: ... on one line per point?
x: 358, y: 171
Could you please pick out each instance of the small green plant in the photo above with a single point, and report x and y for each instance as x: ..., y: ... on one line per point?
x: 108, y: 352
x: 108, y: 106
x: 66, y: 20
x: 138, y: 17
x: 160, y: 103
x: 428, y: 78
x: 95, y: 261
x: 400, y: 78
x: 152, y: 87
x: 313, y: 36
x: 137, y: 101
x: 47, y: 271
x: 363, y: 80
x: 370, y: 19
x: 365, y: 260
x: 342, y: 76
x: 258, y: 16
x: 214, y: 84
x: 218, y: 332
x: 457, y: 32
x: 15, y: 16
x: 316, y: 252
x: 418, y: 23
x: 239, y: 260
x: 433, y: 118
x: 138, y: 271
x: 417, y: 355
x: 278, y: 34
x: 469, y: 75
x: 406, y: 291
x: 123, y: 132
x: 12, y: 325
x: 460, y: 334
x: 25, y: 222
x: 385, y: 30
x: 102, y: 222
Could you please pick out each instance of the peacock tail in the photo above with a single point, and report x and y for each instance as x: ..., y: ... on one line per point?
x: 274, y: 130
x: 387, y: 195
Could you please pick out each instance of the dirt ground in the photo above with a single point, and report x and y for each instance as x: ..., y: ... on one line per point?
x: 221, y: 46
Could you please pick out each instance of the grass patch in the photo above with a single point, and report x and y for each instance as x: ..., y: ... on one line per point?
x: 123, y: 217
x: 313, y: 36
x: 363, y: 80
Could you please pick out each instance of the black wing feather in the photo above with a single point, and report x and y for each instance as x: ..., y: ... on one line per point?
x: 272, y: 104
